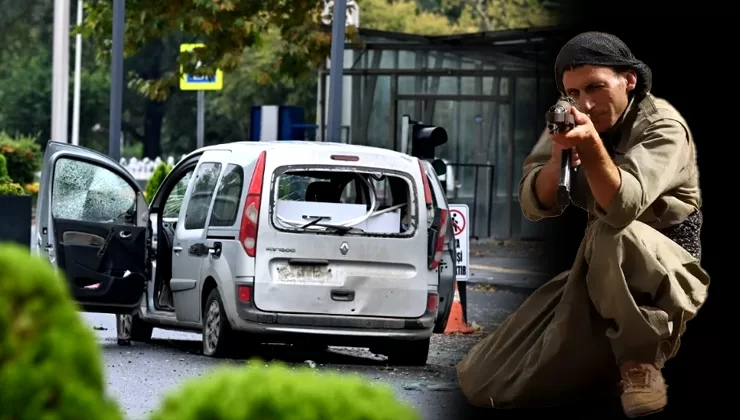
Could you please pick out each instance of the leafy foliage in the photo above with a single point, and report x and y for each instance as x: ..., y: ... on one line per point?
x: 158, y: 119
x: 23, y: 155
x: 226, y: 27
x: 50, y: 364
x: 11, y: 188
x: 496, y: 15
x: 158, y: 175
x: 407, y: 17
x: 276, y: 392
x: 7, y: 186
x: 4, y: 177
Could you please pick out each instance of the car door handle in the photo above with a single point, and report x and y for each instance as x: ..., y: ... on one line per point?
x: 343, y: 295
x: 177, y: 249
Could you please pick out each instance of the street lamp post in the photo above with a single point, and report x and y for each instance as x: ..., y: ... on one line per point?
x: 116, y: 82
x: 78, y: 70
x: 60, y: 72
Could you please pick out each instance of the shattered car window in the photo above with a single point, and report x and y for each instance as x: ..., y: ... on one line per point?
x: 174, y: 201
x: 86, y: 192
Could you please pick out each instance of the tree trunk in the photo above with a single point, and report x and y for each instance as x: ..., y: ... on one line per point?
x: 154, y: 110
x: 153, y: 119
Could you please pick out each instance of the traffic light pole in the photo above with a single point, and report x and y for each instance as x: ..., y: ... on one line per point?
x: 405, y: 125
x: 336, y: 71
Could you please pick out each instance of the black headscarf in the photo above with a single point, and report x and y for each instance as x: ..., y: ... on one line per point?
x: 601, y: 49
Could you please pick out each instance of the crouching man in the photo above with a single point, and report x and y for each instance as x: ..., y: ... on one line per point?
x: 611, y: 322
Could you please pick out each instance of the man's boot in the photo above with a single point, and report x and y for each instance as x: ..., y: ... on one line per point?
x: 643, y: 389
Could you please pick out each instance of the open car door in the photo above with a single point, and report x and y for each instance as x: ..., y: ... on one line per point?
x: 92, y: 222
x: 447, y: 270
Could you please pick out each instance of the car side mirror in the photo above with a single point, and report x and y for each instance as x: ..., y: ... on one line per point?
x: 440, y: 167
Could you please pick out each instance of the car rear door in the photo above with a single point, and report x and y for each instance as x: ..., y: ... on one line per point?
x: 330, y: 272
x: 93, y: 226
x: 190, y: 249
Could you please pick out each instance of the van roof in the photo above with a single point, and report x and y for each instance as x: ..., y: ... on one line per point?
x: 298, y: 144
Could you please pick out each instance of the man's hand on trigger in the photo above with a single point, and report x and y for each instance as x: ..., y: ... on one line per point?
x: 583, y: 132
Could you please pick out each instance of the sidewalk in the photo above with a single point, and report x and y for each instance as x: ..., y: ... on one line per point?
x: 508, y: 264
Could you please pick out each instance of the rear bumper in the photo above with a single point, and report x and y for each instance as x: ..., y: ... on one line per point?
x: 333, y: 328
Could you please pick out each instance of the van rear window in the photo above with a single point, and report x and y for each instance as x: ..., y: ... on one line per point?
x: 344, y: 202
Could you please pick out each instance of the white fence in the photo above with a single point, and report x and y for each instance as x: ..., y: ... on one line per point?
x: 142, y: 169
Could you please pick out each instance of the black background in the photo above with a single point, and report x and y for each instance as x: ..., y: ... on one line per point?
x: 692, y: 63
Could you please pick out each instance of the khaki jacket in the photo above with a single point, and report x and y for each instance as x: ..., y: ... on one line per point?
x: 656, y: 156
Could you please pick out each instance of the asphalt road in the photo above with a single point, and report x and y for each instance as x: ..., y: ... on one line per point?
x: 138, y: 376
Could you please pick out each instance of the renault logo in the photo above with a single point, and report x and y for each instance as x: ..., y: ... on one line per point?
x: 344, y: 248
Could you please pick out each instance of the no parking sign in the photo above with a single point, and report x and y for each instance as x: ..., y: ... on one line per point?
x: 460, y: 221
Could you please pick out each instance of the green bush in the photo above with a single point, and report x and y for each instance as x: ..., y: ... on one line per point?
x: 159, y: 174
x: 11, y: 188
x: 23, y: 156
x: 50, y: 365
x: 276, y: 392
x: 7, y: 186
x: 4, y: 177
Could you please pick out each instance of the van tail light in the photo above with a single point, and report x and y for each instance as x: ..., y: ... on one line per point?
x: 251, y: 216
x: 439, y: 240
x: 245, y: 293
x: 432, y: 302
x: 427, y: 188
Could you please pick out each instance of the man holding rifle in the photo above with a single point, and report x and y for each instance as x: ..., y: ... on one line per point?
x: 617, y: 316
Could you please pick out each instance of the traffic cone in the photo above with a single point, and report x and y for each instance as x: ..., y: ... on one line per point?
x: 456, y: 322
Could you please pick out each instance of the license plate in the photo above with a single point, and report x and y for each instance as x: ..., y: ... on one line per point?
x: 305, y: 275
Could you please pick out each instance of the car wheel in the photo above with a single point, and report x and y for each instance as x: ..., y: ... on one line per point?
x: 409, y: 353
x: 440, y: 324
x: 129, y: 327
x: 217, y: 332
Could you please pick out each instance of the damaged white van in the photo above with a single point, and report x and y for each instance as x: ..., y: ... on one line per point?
x: 255, y: 242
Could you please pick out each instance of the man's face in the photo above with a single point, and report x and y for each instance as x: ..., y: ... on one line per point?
x: 599, y: 92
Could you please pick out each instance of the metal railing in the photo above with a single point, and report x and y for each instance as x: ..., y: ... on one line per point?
x: 461, y: 193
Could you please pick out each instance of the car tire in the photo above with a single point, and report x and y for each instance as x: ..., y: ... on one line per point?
x: 218, y: 337
x: 130, y: 327
x: 443, y: 307
x: 409, y: 353
x: 441, y: 324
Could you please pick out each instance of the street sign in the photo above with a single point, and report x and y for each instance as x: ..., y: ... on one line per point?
x: 459, y: 217
x: 190, y: 82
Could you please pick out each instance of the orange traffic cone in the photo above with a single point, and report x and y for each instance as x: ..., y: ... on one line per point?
x: 456, y: 322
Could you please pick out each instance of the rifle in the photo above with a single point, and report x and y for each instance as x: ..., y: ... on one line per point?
x: 559, y: 120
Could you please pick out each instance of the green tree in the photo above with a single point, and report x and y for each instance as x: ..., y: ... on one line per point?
x: 226, y: 27
x: 25, y: 97
x: 407, y: 16
x: 496, y: 15
x: 22, y: 23
x: 442, y: 17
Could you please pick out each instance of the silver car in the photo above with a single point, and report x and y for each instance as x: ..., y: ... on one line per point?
x: 295, y: 242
